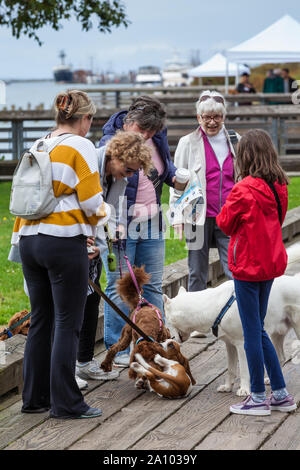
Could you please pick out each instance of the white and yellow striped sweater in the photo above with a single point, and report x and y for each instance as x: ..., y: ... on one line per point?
x: 75, y: 173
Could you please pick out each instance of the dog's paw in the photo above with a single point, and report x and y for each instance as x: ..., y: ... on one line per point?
x: 242, y: 392
x: 224, y: 388
x: 267, y: 381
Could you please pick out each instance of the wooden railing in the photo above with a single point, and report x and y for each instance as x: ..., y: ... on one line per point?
x: 118, y: 98
x: 21, y: 128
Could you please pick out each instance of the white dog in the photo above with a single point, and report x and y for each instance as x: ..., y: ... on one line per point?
x: 190, y: 311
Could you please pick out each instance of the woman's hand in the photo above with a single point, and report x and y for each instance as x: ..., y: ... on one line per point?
x: 91, y: 246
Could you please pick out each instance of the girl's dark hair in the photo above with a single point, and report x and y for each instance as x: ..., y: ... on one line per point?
x: 148, y: 113
x: 257, y: 157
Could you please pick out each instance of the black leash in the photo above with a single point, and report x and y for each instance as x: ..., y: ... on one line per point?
x: 119, y: 312
x: 221, y: 315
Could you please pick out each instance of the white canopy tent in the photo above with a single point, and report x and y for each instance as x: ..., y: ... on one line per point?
x: 278, y: 43
x: 216, y: 67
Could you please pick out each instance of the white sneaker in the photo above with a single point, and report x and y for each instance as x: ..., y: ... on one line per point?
x: 92, y: 370
x: 122, y: 360
x: 82, y: 384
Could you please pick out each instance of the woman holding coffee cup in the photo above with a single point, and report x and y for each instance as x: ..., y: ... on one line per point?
x: 208, y: 153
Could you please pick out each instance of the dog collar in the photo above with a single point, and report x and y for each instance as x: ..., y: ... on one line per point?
x: 143, y: 339
x: 221, y: 315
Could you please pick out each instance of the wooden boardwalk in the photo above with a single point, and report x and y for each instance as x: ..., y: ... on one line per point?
x: 138, y: 420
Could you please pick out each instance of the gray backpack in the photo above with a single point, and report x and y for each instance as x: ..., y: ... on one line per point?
x: 32, y: 195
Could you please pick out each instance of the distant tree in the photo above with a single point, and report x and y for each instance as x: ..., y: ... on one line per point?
x: 28, y: 16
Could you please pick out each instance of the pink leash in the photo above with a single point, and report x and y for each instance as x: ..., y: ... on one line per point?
x: 142, y: 300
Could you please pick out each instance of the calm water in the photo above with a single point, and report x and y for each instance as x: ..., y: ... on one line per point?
x: 21, y: 93
x: 35, y: 93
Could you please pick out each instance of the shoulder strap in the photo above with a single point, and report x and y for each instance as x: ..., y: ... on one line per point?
x: 43, y: 142
x: 232, y: 136
x: 272, y: 187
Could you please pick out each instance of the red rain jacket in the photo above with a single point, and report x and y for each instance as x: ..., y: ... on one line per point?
x: 250, y: 216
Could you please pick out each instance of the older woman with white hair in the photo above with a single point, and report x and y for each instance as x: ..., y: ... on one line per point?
x: 209, y: 152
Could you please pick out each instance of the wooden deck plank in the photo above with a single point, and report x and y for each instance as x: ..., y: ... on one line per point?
x: 14, y: 424
x: 240, y: 432
x: 287, y: 437
x: 109, y: 396
x: 127, y: 427
x: 184, y: 429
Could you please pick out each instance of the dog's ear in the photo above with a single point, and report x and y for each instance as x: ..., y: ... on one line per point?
x: 185, y: 363
x: 166, y: 299
x: 182, y: 290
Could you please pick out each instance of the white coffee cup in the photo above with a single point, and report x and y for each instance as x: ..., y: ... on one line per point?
x: 182, y: 177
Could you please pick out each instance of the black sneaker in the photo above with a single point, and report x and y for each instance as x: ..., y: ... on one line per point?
x: 89, y: 413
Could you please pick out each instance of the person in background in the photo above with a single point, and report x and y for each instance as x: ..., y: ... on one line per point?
x: 245, y: 87
x: 289, y: 83
x: 252, y: 217
x: 54, y: 259
x: 145, y: 243
x: 124, y: 154
x: 209, y: 152
x: 273, y: 83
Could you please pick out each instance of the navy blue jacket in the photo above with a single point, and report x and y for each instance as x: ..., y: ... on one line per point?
x: 160, y: 140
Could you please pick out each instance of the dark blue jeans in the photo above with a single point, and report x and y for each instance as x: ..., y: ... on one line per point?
x: 56, y: 273
x: 148, y: 249
x: 252, y: 299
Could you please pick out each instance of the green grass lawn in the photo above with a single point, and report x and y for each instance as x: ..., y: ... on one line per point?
x: 12, y: 296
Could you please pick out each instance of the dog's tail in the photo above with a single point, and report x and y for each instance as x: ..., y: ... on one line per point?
x: 293, y: 252
x: 126, y: 287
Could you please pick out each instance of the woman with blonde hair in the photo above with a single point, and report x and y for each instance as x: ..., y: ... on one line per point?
x: 54, y: 258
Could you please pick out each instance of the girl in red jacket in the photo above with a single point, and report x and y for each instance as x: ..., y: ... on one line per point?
x: 252, y: 215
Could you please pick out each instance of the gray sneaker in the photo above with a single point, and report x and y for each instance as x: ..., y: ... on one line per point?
x: 285, y: 405
x: 122, y: 360
x: 92, y: 370
x: 82, y: 384
x: 250, y: 407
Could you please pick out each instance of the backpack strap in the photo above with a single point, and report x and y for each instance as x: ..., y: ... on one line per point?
x: 232, y: 136
x: 57, y: 142
x: 272, y: 187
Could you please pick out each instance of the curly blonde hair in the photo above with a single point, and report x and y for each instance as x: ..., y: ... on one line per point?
x: 129, y: 147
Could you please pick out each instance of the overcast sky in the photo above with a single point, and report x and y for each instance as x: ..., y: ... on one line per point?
x: 157, y: 29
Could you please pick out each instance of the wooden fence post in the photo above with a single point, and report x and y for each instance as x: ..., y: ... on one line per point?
x: 17, y: 139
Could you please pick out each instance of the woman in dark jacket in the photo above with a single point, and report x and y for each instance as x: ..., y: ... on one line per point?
x: 142, y: 219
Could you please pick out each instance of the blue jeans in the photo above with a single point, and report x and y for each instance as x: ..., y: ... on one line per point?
x: 252, y: 299
x: 145, y: 247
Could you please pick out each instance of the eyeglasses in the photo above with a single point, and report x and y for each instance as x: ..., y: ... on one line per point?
x: 218, y: 99
x: 130, y: 170
x: 216, y: 118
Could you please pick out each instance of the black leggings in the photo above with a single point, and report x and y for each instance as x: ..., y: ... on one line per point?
x: 56, y: 273
x: 89, y: 328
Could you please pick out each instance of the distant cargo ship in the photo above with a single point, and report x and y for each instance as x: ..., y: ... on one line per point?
x: 63, y: 73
